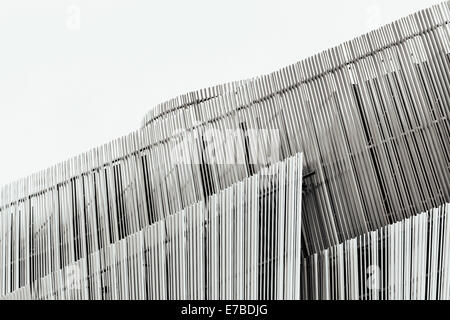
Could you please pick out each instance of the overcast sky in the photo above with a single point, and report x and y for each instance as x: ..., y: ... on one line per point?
x: 76, y: 74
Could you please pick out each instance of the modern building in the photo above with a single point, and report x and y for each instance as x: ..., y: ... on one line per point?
x: 204, y: 200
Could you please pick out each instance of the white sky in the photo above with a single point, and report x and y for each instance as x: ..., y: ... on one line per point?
x: 64, y: 89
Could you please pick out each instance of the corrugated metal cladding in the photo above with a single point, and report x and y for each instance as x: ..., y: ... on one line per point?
x: 371, y: 117
x: 241, y: 243
x: 408, y: 260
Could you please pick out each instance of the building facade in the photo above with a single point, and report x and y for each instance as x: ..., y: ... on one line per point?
x: 371, y: 118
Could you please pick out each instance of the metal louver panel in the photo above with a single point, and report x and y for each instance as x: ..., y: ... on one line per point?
x: 371, y: 117
x: 241, y: 243
x: 408, y: 260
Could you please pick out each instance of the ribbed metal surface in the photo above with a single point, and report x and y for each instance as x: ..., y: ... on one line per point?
x: 190, y: 99
x: 242, y: 243
x: 408, y: 260
x: 371, y: 116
